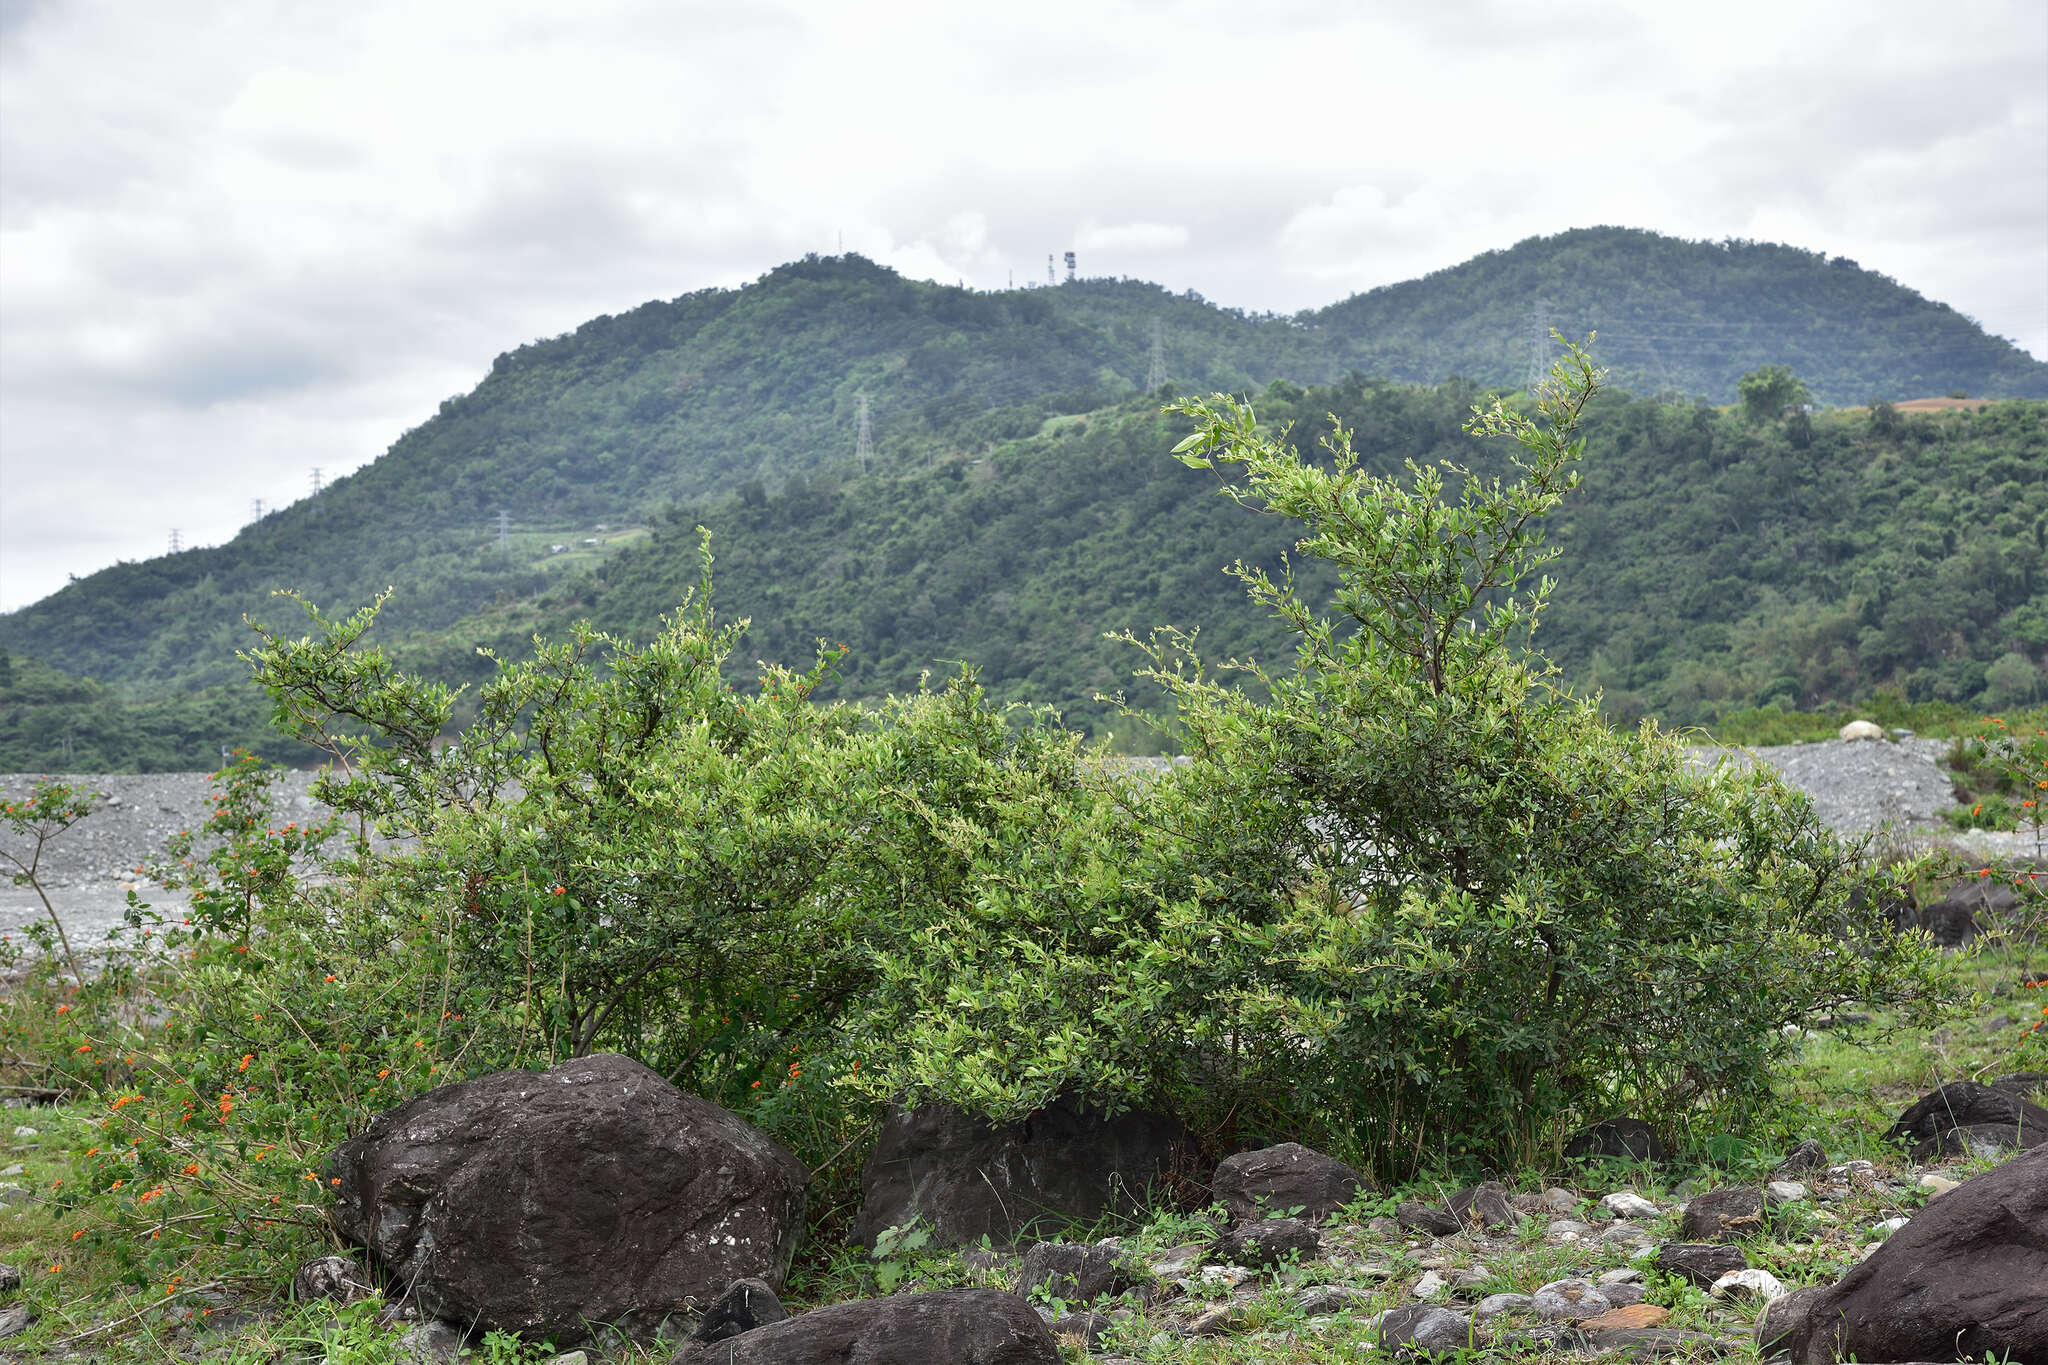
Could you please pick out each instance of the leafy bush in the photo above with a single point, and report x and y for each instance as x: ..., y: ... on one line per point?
x: 1409, y: 898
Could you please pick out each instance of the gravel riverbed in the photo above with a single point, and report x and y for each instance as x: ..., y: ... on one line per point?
x: 1893, y: 790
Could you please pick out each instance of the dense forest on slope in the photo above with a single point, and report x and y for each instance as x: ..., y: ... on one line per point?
x: 753, y: 393
x: 1709, y: 565
x: 1676, y: 317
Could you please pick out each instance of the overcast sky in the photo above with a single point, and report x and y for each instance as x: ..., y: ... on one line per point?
x: 242, y: 241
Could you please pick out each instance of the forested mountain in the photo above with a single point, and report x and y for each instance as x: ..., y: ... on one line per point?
x: 1708, y: 565
x: 753, y: 394
x: 1676, y: 317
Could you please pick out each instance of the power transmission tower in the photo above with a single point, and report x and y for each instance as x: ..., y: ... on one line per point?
x: 863, y: 434
x: 505, y: 532
x: 1048, y: 269
x: 1539, y: 344
x: 255, y: 509
x: 318, y: 484
x: 1155, y: 373
x: 176, y: 545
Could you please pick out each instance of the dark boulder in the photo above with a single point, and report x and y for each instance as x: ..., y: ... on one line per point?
x: 966, y: 1179
x: 952, y: 1326
x: 1807, y: 1156
x: 1986, y: 1114
x: 1620, y: 1139
x: 2022, y: 1083
x: 1085, y: 1328
x: 1961, y: 1281
x: 1076, y: 1273
x: 1288, y: 1180
x: 1431, y: 1220
x: 745, y: 1305
x: 1723, y: 1215
x: 1428, y: 1329
x: 1484, y: 1206
x: 1268, y: 1242
x: 543, y: 1204
x: 1700, y: 1262
x: 1969, y: 907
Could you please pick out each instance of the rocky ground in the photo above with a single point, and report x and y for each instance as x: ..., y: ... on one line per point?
x: 1891, y: 790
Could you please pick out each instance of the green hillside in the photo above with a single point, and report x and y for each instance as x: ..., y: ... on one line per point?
x: 1709, y: 565
x: 1686, y: 318
x: 753, y: 394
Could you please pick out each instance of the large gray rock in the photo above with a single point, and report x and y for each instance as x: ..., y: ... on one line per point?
x: 966, y: 1179
x: 1699, y: 1263
x: 1076, y: 1273
x: 1956, y: 1118
x: 1484, y: 1207
x: 1428, y: 1329
x: 1963, y: 1280
x: 1289, y: 1180
x: 1268, y: 1242
x: 953, y: 1327
x: 543, y: 1204
x: 1724, y: 1215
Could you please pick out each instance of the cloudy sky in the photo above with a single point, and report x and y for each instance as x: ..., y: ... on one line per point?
x: 239, y: 242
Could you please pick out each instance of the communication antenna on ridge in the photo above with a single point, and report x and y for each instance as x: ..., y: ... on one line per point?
x: 1070, y: 267
x: 1155, y: 373
x: 1539, y: 344
x: 176, y: 545
x: 505, y: 532
x: 863, y: 434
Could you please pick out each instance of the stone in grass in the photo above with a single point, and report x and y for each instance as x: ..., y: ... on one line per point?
x: 746, y: 1304
x: 10, y: 1278
x: 1627, y: 1318
x: 1748, y: 1284
x: 957, y: 1326
x: 1809, y: 1155
x: 1493, y: 1305
x: 1075, y: 1272
x: 1785, y: 1192
x: 1629, y: 1204
x: 16, y: 1319
x: 1699, y: 1263
x: 1280, y: 1180
x: 1318, y: 1300
x: 340, y: 1278
x: 1427, y: 1328
x: 1484, y: 1207
x: 1723, y: 1215
x: 1431, y: 1220
x: 1269, y: 1242
x: 1569, y: 1300
x: 1084, y: 1328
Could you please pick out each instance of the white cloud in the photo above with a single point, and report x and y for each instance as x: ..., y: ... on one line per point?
x: 234, y: 248
x: 1137, y: 238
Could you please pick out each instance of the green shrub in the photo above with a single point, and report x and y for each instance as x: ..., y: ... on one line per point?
x: 1408, y: 898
